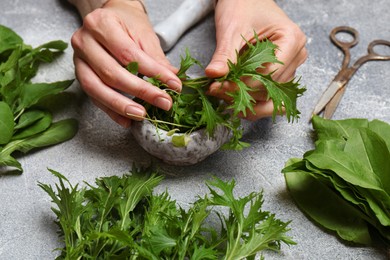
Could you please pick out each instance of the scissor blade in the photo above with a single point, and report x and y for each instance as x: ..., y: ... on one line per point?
x: 327, y: 96
x: 333, y: 103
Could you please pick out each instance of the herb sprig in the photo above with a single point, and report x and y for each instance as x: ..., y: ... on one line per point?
x: 122, y: 218
x: 194, y: 109
x: 24, y: 123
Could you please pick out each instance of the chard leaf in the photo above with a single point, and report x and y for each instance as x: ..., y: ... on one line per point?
x: 6, y: 123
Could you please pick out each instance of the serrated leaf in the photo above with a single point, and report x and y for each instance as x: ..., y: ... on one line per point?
x: 256, y: 55
x: 242, y: 100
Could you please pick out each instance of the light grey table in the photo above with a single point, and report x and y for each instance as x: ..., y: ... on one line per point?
x: 101, y: 148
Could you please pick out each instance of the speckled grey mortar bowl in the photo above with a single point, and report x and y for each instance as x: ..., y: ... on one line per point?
x: 159, y: 144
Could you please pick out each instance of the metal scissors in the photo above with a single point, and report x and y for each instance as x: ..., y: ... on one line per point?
x: 332, y: 95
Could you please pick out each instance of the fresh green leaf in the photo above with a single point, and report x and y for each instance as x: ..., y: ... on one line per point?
x: 333, y: 213
x: 6, y: 123
x: 23, y: 127
x: 193, y: 109
x: 132, y: 67
x: 122, y: 218
x: 180, y: 140
x: 8, y: 39
x: 29, y: 117
x: 37, y: 127
x: 58, y: 132
x: 350, y: 164
x: 31, y: 93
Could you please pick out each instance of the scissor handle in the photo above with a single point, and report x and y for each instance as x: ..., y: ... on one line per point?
x: 372, y: 54
x: 375, y: 55
x: 344, y: 45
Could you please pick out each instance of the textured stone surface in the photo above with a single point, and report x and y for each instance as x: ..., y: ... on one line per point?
x: 161, y: 144
x: 102, y: 148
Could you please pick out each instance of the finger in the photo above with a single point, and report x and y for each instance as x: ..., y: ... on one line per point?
x: 114, y: 75
x: 262, y: 109
x: 121, y: 120
x: 291, y: 55
x: 121, y: 45
x: 107, y: 97
x: 227, y: 44
x: 219, y: 90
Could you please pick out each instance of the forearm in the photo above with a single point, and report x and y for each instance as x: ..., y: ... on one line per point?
x: 86, y: 6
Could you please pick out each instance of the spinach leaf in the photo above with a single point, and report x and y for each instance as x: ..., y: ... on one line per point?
x: 24, y: 125
x: 6, y: 123
x: 333, y: 213
x: 349, y: 170
x: 8, y: 39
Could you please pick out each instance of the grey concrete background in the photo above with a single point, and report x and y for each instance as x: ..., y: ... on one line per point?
x: 102, y: 148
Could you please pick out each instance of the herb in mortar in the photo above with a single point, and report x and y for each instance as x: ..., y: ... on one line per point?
x: 24, y: 124
x: 344, y: 183
x: 121, y: 218
x: 194, y: 109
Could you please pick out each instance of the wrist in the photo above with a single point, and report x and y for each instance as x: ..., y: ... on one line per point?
x: 86, y: 6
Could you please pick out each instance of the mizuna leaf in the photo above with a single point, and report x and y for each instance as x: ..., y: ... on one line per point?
x: 121, y: 217
x: 242, y: 100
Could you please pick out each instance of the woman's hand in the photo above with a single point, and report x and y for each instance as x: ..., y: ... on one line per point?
x: 235, y: 20
x: 111, y: 37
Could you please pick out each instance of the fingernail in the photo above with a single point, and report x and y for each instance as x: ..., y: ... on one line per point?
x: 174, y: 84
x: 162, y: 103
x: 134, y: 111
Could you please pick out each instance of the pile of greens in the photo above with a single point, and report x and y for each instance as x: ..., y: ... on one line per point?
x: 193, y: 109
x: 24, y: 124
x: 344, y: 183
x: 121, y: 218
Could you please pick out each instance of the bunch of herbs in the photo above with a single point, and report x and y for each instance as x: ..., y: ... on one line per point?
x: 122, y: 218
x: 194, y: 109
x: 24, y: 124
x: 344, y: 183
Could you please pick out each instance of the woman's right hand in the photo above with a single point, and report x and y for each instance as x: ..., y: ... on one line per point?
x: 111, y: 37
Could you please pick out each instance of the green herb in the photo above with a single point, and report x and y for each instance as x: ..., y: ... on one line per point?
x: 193, y: 109
x: 122, y: 218
x: 344, y: 183
x: 24, y: 123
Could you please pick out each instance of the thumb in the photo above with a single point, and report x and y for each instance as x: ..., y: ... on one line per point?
x: 224, y: 51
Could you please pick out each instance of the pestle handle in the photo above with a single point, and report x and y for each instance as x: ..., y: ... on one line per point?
x: 189, y: 13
